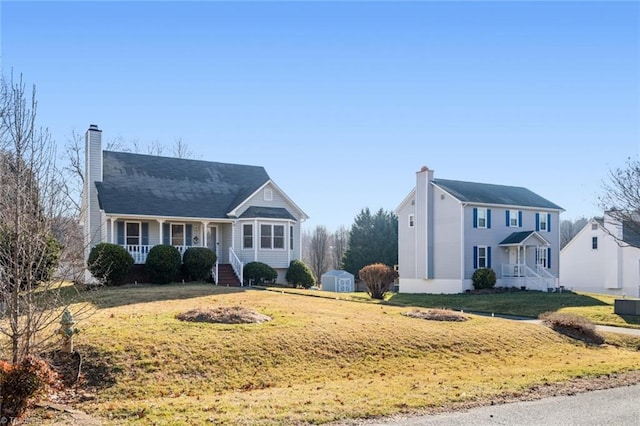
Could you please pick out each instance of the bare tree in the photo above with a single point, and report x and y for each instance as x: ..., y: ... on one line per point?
x: 181, y: 149
x: 620, y: 200
x: 319, y: 251
x: 339, y: 244
x: 31, y: 200
x: 569, y: 229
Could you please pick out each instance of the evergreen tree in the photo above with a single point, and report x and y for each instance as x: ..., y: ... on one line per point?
x: 372, y: 239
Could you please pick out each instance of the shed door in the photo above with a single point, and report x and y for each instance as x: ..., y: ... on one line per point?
x: 344, y: 285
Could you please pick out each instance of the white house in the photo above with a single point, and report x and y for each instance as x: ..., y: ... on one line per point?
x: 138, y: 201
x: 601, y: 258
x: 448, y: 229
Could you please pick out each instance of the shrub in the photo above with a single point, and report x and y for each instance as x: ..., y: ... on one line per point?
x: 572, y: 325
x: 299, y: 274
x: 483, y: 278
x: 109, y: 263
x: 163, y: 263
x: 198, y: 262
x: 23, y: 382
x: 259, y: 272
x: 378, y: 278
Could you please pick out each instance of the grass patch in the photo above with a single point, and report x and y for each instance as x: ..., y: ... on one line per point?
x: 318, y: 360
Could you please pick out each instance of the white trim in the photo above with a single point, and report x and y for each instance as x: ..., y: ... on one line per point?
x: 268, y: 194
x: 405, y: 201
x: 168, y: 218
x: 536, y: 234
x: 542, y: 215
x: 486, y: 217
x: 234, y: 212
x: 486, y: 257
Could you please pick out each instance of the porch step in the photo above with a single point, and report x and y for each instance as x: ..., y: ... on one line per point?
x: 226, y: 276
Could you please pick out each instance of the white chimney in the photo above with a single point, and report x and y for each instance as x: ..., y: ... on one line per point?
x: 424, y: 223
x: 92, y: 174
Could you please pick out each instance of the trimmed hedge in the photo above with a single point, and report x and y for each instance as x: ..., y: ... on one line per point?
x: 198, y: 262
x: 483, y: 278
x: 109, y: 263
x: 259, y: 272
x: 299, y: 274
x: 163, y: 263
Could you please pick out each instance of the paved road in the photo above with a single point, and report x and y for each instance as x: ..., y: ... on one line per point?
x: 616, y: 406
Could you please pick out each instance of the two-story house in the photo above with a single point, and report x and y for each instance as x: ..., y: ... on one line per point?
x: 447, y: 229
x: 138, y: 201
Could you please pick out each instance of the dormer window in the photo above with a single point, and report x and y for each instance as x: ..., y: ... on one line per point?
x: 268, y: 194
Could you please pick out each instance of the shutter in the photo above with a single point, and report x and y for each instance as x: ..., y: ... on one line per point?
x: 537, y: 221
x: 507, y: 218
x: 489, y: 257
x: 145, y: 233
x: 120, y: 232
x: 188, y: 234
x: 548, y: 222
x: 475, y: 257
x: 475, y: 217
x: 548, y: 257
x: 166, y: 238
x: 488, y: 218
x: 520, y: 218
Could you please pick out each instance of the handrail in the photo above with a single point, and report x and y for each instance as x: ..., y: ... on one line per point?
x: 236, y: 264
x: 214, y: 273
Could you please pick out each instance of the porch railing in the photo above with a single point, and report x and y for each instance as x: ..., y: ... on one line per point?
x: 523, y: 276
x: 236, y: 264
x: 140, y: 252
x: 214, y: 273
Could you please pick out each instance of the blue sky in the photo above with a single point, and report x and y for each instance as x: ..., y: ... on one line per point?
x: 342, y: 102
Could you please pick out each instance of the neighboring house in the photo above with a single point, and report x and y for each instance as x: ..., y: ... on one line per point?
x: 448, y: 229
x: 601, y: 258
x: 139, y: 201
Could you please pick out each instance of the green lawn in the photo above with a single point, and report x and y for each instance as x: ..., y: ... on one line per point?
x: 319, y: 360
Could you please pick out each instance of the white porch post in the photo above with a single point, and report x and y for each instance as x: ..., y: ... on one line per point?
x: 113, y: 226
x: 205, y: 228
x: 161, y: 222
x: 256, y: 239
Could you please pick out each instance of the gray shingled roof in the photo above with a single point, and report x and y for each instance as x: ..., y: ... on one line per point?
x: 267, y: 212
x: 516, y: 238
x: 163, y: 186
x: 486, y: 193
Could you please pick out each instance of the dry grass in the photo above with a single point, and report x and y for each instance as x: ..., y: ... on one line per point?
x: 224, y: 315
x: 319, y: 360
x: 437, y: 315
x: 574, y: 326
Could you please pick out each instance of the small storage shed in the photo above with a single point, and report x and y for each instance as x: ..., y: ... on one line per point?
x: 337, y: 280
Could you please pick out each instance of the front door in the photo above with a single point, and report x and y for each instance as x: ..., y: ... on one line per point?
x: 212, y: 240
x: 514, y: 261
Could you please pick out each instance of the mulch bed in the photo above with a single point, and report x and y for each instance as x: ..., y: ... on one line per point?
x: 225, y: 315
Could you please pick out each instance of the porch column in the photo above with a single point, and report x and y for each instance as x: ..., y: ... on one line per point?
x: 256, y: 240
x: 113, y: 226
x: 205, y: 228
x: 161, y: 222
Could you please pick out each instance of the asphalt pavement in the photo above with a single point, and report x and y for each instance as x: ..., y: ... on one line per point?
x: 616, y: 406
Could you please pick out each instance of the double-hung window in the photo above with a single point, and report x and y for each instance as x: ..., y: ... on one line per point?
x: 247, y: 236
x: 411, y: 217
x: 481, y: 218
x: 290, y: 237
x: 514, y: 218
x: 594, y: 243
x: 481, y: 257
x: 271, y: 236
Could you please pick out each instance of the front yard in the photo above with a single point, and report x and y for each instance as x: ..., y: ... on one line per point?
x: 319, y: 360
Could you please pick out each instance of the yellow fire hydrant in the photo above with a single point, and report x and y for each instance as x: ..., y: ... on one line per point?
x: 67, y: 331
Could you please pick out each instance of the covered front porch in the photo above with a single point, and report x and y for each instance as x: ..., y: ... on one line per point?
x: 529, y: 261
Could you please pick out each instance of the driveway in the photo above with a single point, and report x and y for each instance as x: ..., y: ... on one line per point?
x: 616, y: 406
